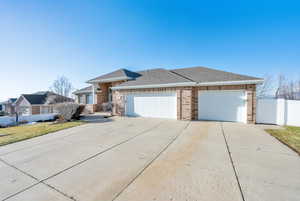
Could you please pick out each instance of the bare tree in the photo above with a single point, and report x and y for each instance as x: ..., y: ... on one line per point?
x: 287, y: 89
x: 62, y: 86
x: 19, y: 111
x: 267, y: 88
x: 281, y: 87
x: 291, y: 90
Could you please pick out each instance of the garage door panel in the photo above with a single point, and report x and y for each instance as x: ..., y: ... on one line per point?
x: 222, y: 106
x: 158, y: 105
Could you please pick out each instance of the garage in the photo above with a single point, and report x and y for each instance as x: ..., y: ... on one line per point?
x: 222, y: 105
x: 152, y: 104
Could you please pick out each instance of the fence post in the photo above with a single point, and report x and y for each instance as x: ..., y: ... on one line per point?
x: 281, y: 112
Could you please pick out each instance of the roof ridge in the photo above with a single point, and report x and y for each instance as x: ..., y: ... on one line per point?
x: 171, y: 71
x: 151, y: 69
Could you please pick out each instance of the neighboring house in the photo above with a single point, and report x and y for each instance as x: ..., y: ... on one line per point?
x: 8, y: 106
x: 39, y: 103
x: 184, y: 94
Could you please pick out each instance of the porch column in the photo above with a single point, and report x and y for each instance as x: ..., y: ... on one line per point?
x: 94, y: 89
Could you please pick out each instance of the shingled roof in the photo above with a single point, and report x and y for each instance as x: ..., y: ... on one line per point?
x: 88, y: 89
x: 155, y: 76
x: 121, y: 74
x: 176, y: 77
x: 203, y: 74
x: 35, y: 98
x: 45, y: 97
x: 184, y: 77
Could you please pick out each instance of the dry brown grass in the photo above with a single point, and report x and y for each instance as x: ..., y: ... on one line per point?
x: 23, y: 132
x: 289, y: 136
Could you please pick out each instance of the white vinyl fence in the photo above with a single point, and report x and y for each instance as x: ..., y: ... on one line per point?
x: 7, y: 120
x: 278, y: 111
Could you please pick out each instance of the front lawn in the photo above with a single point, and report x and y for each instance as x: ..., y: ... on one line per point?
x: 289, y: 136
x: 23, y: 132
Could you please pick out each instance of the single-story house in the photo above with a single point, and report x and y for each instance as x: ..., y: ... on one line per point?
x: 196, y: 93
x: 39, y: 103
x: 8, y: 106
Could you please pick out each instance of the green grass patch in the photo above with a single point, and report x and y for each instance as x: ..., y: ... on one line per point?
x: 290, y: 136
x: 23, y: 132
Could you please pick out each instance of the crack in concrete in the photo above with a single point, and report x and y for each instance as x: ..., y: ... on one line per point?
x: 232, y: 163
x: 36, y: 179
x: 106, y: 150
x: 76, y: 164
x: 151, y: 162
x: 59, y: 191
x: 14, y: 167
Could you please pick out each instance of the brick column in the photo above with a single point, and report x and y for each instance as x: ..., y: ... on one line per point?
x: 251, y: 104
x: 118, y: 99
x: 185, y: 100
x: 178, y: 96
x: 195, y: 104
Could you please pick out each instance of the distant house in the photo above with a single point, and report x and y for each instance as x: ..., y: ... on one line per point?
x: 8, y: 106
x: 39, y: 103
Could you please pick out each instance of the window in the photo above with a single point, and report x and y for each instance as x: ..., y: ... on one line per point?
x: 24, y: 110
x: 80, y: 99
x: 89, y: 99
x: 45, y: 110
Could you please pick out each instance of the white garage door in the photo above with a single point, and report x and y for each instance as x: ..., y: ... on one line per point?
x: 222, y: 106
x: 158, y: 105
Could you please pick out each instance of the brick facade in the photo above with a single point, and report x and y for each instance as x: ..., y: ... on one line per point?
x: 185, y: 103
x: 187, y: 99
x: 103, y: 95
x: 90, y: 108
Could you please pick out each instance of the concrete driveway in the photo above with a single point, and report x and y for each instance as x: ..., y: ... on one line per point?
x: 137, y: 159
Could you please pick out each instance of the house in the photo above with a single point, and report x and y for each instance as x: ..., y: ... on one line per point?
x: 8, y: 106
x: 39, y: 103
x: 196, y: 93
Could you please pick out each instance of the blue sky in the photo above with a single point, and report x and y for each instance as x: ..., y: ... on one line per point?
x: 41, y: 40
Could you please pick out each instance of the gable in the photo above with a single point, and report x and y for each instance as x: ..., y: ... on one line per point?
x: 22, y: 102
x: 118, y: 75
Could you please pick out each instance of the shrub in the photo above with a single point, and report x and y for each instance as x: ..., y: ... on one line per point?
x: 66, y: 110
x: 107, y: 107
x: 2, y: 113
x: 78, y: 112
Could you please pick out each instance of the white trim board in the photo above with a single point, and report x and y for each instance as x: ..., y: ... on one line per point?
x: 109, y: 80
x: 181, y: 84
x: 230, y: 82
x: 189, y: 84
